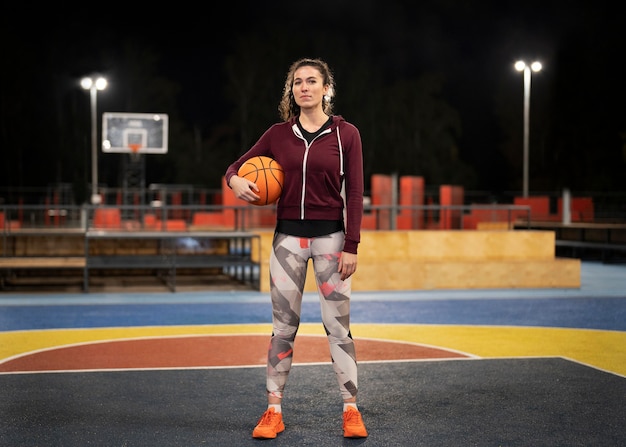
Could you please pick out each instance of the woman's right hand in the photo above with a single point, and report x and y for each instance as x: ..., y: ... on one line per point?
x: 244, y: 189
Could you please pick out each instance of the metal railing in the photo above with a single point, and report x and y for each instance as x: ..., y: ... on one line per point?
x: 43, y: 220
x: 52, y: 218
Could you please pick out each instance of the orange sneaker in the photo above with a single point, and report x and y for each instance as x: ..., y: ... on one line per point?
x: 270, y: 424
x: 353, y: 426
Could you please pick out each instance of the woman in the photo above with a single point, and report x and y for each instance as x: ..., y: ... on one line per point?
x: 320, y: 153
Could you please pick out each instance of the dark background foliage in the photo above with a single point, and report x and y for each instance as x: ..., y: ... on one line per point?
x: 430, y: 85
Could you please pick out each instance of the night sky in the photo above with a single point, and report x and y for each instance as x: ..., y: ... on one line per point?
x: 472, y: 43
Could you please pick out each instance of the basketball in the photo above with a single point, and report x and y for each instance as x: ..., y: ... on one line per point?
x: 268, y: 176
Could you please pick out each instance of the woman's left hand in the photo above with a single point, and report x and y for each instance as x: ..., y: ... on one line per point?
x: 347, y: 265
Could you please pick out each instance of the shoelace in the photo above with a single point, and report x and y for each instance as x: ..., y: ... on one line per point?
x: 353, y: 417
x: 267, y: 418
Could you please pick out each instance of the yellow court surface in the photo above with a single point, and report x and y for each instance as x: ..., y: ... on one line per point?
x: 604, y: 350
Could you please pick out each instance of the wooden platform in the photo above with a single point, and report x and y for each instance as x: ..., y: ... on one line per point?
x: 40, y: 262
x: 388, y: 260
x: 438, y: 259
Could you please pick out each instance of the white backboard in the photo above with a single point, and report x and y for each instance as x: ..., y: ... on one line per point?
x: 143, y: 133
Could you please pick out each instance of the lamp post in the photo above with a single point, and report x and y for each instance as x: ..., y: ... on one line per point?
x: 93, y: 85
x: 522, y: 66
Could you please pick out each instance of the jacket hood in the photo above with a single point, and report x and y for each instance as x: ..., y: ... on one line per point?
x: 336, y: 120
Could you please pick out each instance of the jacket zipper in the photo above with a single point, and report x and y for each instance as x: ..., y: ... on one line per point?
x: 296, y: 131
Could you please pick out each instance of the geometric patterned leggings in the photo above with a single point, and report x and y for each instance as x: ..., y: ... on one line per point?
x: 288, y: 266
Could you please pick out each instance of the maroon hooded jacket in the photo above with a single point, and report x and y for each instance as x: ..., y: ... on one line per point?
x: 314, y: 174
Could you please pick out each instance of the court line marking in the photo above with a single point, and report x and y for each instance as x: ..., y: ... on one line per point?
x: 605, y: 350
x: 297, y: 364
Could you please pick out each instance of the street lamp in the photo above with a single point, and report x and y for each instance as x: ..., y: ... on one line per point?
x: 93, y: 85
x: 521, y: 66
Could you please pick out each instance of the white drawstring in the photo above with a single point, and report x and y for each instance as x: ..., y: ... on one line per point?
x: 343, y: 181
x: 340, y: 152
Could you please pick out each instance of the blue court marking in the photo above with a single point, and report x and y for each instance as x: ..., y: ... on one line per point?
x: 600, y: 303
x: 591, y: 313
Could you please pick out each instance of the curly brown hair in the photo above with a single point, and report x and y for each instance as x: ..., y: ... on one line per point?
x: 288, y: 107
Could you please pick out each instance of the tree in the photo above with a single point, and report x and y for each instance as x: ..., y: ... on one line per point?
x: 419, y: 132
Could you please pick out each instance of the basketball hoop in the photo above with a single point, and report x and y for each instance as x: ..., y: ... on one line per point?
x: 134, y: 151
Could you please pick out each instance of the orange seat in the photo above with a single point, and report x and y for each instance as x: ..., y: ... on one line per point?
x: 107, y: 218
x: 175, y: 225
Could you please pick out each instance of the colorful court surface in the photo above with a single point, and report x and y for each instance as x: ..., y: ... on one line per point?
x: 71, y: 338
